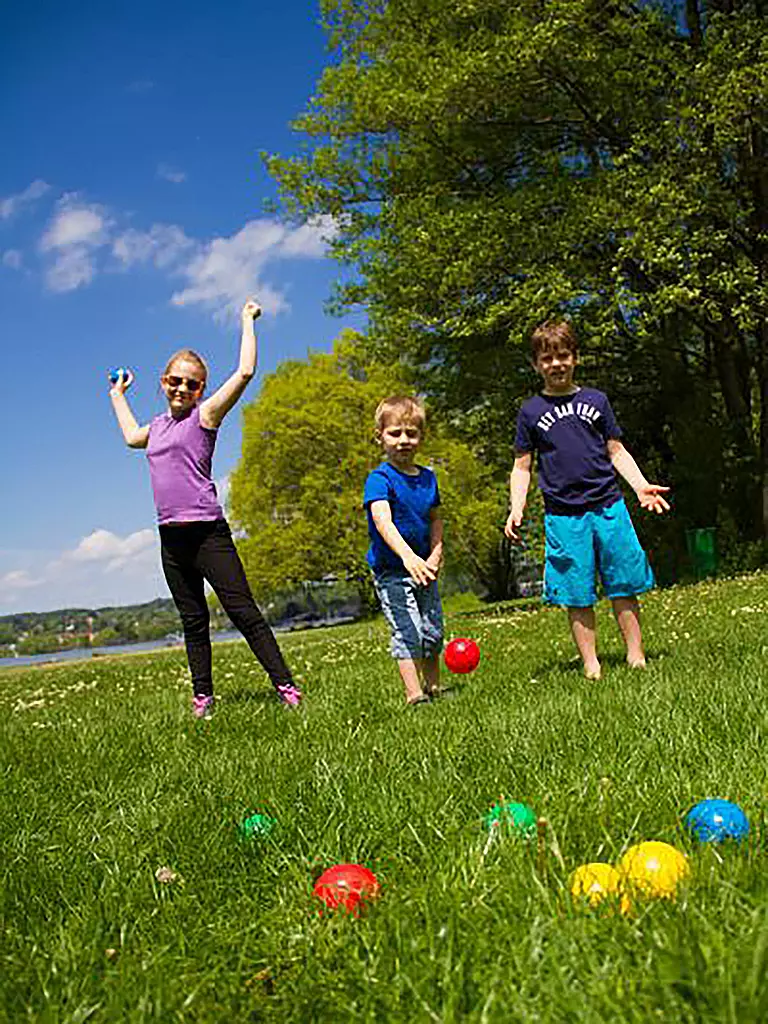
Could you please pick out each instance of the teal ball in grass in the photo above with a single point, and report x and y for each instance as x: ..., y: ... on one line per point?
x: 256, y: 826
x: 716, y: 821
x: 517, y: 818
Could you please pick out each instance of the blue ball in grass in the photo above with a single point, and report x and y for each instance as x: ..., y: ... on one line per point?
x: 715, y: 821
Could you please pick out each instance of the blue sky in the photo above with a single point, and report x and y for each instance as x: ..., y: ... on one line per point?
x: 132, y: 222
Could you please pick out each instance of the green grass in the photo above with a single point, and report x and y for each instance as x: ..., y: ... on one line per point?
x: 106, y: 778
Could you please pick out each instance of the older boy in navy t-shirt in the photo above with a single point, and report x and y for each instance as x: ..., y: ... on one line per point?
x: 406, y: 534
x: 587, y: 526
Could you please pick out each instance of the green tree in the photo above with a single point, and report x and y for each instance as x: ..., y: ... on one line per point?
x: 492, y: 162
x: 308, y: 444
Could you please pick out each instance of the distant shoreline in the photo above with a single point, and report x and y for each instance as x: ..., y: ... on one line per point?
x: 87, y: 653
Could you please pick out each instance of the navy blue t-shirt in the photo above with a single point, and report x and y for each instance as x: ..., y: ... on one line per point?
x: 569, y: 434
x: 411, y: 499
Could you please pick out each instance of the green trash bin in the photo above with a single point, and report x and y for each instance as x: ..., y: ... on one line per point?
x: 702, y: 551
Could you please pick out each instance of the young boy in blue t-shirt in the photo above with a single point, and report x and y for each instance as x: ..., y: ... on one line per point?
x: 587, y: 526
x: 405, y: 554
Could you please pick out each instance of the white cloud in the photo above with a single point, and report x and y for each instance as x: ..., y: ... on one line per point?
x: 18, y: 579
x: 102, y: 569
x: 74, y: 234
x: 13, y: 204
x: 72, y: 268
x: 12, y: 259
x: 222, y: 489
x: 309, y: 240
x: 171, y: 174
x: 83, y: 239
x: 163, y: 245
x: 226, y: 269
x: 115, y: 552
x: 75, y: 223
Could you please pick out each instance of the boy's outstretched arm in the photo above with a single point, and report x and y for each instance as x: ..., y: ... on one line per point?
x: 519, y: 482
x: 650, y: 496
x: 214, y: 409
x: 435, y: 559
x: 135, y: 436
x: 419, y: 570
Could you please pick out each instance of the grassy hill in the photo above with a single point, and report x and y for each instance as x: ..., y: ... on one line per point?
x: 106, y: 779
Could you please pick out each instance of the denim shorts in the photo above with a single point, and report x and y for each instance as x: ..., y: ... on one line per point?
x: 414, y: 614
x: 602, y: 541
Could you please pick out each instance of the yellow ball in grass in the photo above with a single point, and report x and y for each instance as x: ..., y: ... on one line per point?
x: 653, y: 869
x: 596, y: 884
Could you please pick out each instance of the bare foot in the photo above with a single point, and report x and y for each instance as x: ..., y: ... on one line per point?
x: 636, y: 662
x: 593, y: 671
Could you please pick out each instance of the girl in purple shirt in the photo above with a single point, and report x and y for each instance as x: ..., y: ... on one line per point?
x: 195, y: 541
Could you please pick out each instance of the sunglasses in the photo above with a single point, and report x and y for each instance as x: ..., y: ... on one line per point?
x: 191, y: 383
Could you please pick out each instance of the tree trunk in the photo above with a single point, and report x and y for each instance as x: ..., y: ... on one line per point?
x: 693, y: 21
x: 762, y: 376
x: 734, y: 384
x: 757, y: 179
x: 733, y: 368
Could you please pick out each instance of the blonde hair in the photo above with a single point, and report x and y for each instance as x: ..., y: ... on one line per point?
x: 191, y: 357
x: 403, y: 406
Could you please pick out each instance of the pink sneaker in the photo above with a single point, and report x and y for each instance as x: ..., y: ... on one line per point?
x: 289, y: 694
x: 202, y: 706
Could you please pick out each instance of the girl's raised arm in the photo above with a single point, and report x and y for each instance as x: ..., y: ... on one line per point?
x: 135, y: 436
x: 214, y: 409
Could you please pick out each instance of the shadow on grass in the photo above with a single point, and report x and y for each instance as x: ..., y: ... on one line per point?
x: 248, y: 697
x: 610, y: 661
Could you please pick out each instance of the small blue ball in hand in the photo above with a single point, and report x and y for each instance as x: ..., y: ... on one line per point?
x: 121, y: 371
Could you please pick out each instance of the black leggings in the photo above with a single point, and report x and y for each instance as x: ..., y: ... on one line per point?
x: 195, y: 552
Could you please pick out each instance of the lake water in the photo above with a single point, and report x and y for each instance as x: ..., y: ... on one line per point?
x: 84, y: 653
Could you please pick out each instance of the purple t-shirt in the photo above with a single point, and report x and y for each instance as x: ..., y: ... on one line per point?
x: 180, y: 454
x: 569, y: 434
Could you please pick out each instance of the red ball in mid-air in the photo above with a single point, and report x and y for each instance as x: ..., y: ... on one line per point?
x: 347, y: 886
x: 462, y: 656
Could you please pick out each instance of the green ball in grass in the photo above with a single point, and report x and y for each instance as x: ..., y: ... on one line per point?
x: 256, y: 826
x: 515, y: 817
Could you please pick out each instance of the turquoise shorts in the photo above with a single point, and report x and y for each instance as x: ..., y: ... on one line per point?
x: 601, y: 541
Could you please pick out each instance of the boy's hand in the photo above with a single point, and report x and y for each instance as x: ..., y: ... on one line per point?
x: 650, y: 497
x: 419, y: 570
x: 434, y: 562
x: 512, y: 527
x: 251, y: 311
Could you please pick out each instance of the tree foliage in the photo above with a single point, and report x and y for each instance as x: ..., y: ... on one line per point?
x: 308, y: 445
x: 493, y: 162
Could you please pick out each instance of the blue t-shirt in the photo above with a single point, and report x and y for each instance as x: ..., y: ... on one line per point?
x: 411, y: 499
x: 569, y: 435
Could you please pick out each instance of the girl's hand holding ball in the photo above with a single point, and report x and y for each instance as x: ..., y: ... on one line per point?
x: 251, y: 311
x: 120, y: 380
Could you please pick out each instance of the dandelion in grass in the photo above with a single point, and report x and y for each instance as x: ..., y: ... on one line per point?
x: 167, y: 876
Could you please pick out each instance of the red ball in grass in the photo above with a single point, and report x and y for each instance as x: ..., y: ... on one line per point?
x: 347, y: 886
x: 462, y: 656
